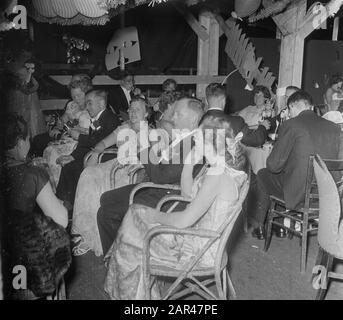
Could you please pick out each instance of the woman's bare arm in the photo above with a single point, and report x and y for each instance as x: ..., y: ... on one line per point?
x: 51, y: 206
x: 198, y: 207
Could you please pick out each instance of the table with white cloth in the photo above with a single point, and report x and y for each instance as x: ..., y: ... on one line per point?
x: 54, y: 150
x: 258, y: 156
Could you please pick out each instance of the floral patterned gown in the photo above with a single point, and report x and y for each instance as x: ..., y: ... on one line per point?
x: 124, y: 280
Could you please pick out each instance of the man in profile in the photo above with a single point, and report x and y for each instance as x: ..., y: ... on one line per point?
x: 305, y: 134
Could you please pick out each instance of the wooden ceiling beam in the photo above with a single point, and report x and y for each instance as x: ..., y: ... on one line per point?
x: 192, y: 22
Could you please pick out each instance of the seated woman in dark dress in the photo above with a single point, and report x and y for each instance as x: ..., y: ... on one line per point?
x: 34, y: 219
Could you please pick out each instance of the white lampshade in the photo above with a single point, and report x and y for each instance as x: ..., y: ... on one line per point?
x: 89, y: 8
x: 245, y: 8
x: 64, y: 8
x: 44, y: 8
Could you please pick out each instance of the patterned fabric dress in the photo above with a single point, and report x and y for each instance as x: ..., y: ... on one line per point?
x: 93, y: 182
x: 32, y: 239
x: 124, y: 280
x: 53, y: 151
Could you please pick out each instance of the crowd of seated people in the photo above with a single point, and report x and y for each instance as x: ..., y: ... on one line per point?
x: 93, y: 191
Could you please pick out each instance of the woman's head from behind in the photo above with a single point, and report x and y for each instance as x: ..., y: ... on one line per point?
x: 221, y: 140
x: 79, y: 86
x: 15, y: 137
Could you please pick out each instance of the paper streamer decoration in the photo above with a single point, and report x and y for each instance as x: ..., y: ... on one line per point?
x: 242, y: 54
x: 64, y: 8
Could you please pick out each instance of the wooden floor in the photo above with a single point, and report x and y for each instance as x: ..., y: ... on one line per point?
x: 256, y: 275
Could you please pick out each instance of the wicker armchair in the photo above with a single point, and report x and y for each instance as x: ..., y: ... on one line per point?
x: 107, y: 151
x: 193, y: 277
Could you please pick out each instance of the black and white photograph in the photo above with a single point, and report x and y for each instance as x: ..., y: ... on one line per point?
x: 182, y: 150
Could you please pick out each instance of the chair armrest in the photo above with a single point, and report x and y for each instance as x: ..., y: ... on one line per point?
x: 133, y: 173
x: 171, y: 198
x: 170, y: 230
x: 86, y: 158
x: 152, y: 185
x: 107, y: 151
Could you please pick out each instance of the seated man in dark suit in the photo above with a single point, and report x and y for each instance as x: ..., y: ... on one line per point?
x: 119, y: 97
x: 103, y: 122
x: 216, y: 100
x: 115, y: 203
x: 303, y: 135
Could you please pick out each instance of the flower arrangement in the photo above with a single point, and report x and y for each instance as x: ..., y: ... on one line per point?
x: 110, y: 4
x: 74, y: 47
x: 114, y: 4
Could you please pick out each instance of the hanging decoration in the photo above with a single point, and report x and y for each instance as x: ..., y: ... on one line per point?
x: 69, y: 12
x: 74, y: 48
x: 153, y: 2
x: 271, y: 8
x: 242, y: 54
x: 123, y: 48
x: 114, y: 4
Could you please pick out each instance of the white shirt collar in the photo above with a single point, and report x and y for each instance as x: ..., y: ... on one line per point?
x: 215, y: 108
x: 127, y: 94
x: 96, y: 118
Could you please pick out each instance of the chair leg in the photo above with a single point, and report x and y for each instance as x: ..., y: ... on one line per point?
x: 230, y: 284
x: 326, y: 261
x: 224, y: 283
x: 219, y: 285
x: 268, y: 231
x: 245, y: 217
x: 304, y: 245
x: 290, y: 232
x: 61, y: 294
x: 319, y: 260
x: 147, y: 288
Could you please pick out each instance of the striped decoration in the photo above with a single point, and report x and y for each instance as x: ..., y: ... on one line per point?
x: 44, y: 8
x: 64, y: 8
x: 89, y: 8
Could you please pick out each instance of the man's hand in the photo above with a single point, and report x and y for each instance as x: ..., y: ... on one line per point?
x: 266, y: 124
x: 74, y: 134
x: 54, y: 132
x: 63, y: 160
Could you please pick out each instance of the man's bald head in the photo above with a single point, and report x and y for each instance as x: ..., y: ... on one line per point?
x: 187, y: 113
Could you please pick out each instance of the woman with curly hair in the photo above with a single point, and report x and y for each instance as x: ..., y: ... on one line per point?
x: 214, y: 194
x: 254, y: 114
